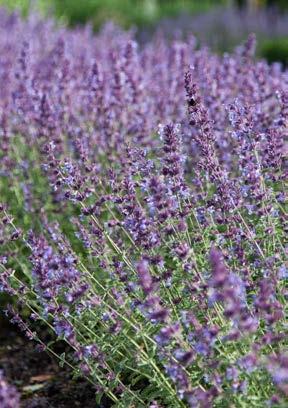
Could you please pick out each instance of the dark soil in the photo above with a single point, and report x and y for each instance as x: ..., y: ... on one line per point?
x: 38, y: 377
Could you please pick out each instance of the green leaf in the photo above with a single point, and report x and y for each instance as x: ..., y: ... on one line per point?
x: 98, y: 397
x: 33, y: 388
x: 62, y: 360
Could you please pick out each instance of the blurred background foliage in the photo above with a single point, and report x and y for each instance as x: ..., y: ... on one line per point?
x: 220, y: 23
x: 124, y: 12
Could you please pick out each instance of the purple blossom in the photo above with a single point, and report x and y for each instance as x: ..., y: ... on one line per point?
x: 107, y: 223
x: 9, y: 397
x: 145, y: 279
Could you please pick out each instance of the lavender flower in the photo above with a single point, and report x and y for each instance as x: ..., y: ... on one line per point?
x: 143, y: 215
x: 9, y: 397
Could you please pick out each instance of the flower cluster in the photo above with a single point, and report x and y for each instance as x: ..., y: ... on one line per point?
x: 143, y: 215
x: 9, y: 397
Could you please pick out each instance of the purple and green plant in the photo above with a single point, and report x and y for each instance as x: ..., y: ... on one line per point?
x: 143, y: 213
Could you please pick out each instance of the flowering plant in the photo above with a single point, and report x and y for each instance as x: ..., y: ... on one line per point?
x: 143, y: 215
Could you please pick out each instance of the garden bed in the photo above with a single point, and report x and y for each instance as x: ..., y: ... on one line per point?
x: 38, y: 377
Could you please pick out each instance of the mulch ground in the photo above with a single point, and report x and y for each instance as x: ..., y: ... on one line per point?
x: 38, y: 377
